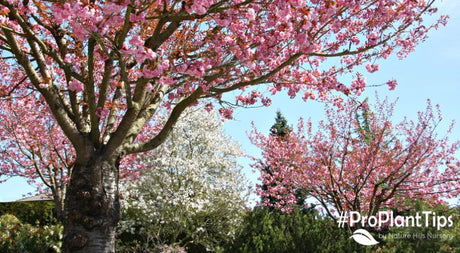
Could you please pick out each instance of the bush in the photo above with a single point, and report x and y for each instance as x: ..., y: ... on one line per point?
x: 268, y: 231
x: 192, y: 194
x: 32, y: 212
x: 17, y: 237
x: 426, y: 239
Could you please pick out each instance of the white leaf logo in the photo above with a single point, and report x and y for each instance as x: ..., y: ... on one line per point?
x: 363, y: 237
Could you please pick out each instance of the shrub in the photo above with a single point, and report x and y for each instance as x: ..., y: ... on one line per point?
x: 266, y: 230
x: 425, y: 239
x: 193, y: 195
x: 32, y: 212
x: 17, y: 237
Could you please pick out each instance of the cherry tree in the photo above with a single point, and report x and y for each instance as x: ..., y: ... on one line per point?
x: 105, y: 68
x: 194, y: 193
x: 33, y: 146
x: 358, y: 160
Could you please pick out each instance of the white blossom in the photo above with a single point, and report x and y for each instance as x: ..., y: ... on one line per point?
x: 194, y: 185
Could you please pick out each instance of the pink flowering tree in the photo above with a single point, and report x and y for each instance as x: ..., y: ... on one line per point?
x: 104, y: 69
x: 32, y: 146
x: 358, y: 160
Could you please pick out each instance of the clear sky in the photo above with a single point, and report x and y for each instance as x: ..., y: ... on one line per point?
x: 431, y: 72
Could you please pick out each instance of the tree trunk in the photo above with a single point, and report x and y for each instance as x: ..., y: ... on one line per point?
x: 92, y: 209
x: 59, y: 206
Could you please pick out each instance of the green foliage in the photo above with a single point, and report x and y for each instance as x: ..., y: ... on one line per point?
x: 133, y: 246
x: 266, y: 230
x: 17, y: 237
x: 202, y: 232
x: 300, y: 231
x: 32, y: 212
x: 280, y: 127
x: 425, y: 239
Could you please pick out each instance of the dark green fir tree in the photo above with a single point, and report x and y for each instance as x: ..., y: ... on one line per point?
x: 281, y: 127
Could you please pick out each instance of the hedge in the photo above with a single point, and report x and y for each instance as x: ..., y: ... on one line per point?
x: 33, y: 212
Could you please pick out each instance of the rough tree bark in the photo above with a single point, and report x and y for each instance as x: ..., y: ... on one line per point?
x: 92, y: 208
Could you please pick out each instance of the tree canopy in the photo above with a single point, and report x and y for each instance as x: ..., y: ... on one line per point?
x: 194, y: 194
x: 105, y: 70
x: 359, y: 160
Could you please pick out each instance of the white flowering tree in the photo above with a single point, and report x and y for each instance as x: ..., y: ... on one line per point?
x: 194, y: 193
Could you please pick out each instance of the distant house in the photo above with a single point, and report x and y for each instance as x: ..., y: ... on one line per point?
x: 38, y: 197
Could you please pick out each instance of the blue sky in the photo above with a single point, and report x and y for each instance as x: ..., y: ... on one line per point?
x: 431, y: 72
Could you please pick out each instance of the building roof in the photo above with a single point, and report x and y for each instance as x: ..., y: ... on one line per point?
x: 38, y: 197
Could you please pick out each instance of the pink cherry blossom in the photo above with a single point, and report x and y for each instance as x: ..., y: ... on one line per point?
x: 76, y: 86
x: 138, y: 60
x: 371, y: 68
x: 358, y: 160
x: 392, y: 84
